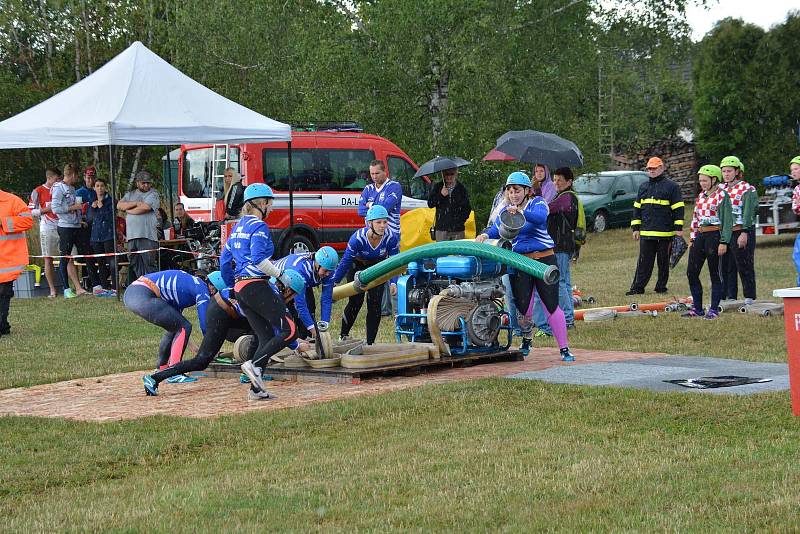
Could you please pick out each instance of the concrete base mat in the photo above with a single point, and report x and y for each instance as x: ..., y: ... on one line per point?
x: 650, y: 373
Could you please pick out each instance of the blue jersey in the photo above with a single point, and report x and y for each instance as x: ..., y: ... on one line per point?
x: 250, y: 248
x: 181, y: 290
x: 390, y: 196
x: 362, y: 252
x: 533, y: 237
x: 304, y: 264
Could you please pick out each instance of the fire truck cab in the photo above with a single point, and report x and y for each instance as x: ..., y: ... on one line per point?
x: 330, y: 168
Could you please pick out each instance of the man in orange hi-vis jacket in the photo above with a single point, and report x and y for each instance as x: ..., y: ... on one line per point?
x: 15, y: 220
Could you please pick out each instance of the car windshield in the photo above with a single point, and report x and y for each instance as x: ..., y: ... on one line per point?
x: 591, y: 184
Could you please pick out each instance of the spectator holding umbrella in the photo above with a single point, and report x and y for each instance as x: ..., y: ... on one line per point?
x: 449, y: 197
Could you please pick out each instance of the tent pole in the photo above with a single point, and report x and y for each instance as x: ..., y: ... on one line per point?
x: 169, y: 181
x: 114, y: 219
x: 291, y: 188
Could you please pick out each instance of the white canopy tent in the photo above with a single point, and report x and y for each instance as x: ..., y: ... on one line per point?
x: 137, y: 98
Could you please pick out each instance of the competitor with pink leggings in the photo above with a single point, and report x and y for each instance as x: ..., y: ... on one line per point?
x: 532, y: 241
x: 160, y: 298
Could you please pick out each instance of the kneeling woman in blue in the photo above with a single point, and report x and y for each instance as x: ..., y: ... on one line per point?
x: 225, y: 319
x: 316, y: 270
x: 532, y: 241
x: 367, y: 247
x: 249, y: 249
x: 160, y: 298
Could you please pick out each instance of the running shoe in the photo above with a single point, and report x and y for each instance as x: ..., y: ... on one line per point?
x: 105, y: 293
x: 181, y: 379
x: 243, y: 379
x: 69, y: 293
x: 254, y: 374
x: 525, y: 347
x: 566, y: 355
x: 344, y: 338
x: 712, y: 314
x: 542, y: 333
x: 693, y: 313
x: 260, y: 395
x: 150, y: 386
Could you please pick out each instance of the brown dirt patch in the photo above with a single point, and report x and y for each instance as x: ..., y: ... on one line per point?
x: 121, y: 396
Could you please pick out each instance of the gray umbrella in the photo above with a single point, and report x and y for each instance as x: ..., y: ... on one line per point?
x: 439, y: 164
x: 531, y: 146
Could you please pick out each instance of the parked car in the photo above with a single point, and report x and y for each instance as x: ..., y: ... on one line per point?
x: 608, y: 197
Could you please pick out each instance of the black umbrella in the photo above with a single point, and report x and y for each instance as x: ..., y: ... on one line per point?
x: 439, y: 164
x: 531, y: 146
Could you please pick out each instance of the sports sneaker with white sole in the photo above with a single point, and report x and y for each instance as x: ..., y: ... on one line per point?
x: 254, y: 374
x: 259, y: 395
x: 181, y: 379
x: 150, y: 386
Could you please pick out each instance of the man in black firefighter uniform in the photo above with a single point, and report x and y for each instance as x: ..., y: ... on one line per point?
x: 657, y: 217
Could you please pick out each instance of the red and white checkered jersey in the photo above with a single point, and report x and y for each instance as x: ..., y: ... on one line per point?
x: 796, y: 199
x: 737, y: 192
x: 706, y: 209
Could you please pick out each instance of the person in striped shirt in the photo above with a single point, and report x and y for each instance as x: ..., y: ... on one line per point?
x: 365, y: 248
x: 709, y: 238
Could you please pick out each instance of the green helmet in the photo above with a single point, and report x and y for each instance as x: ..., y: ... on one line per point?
x: 712, y: 171
x: 732, y: 161
x: 795, y: 159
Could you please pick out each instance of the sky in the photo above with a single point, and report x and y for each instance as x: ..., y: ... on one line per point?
x: 764, y: 13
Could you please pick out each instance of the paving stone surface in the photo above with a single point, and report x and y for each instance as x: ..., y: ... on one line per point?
x: 650, y: 373
x: 121, y: 396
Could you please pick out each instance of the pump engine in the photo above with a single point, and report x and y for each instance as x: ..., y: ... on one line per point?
x: 459, y: 298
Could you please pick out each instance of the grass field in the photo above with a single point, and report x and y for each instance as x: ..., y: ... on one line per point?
x: 484, y: 455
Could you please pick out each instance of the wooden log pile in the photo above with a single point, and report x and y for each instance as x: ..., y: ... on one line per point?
x: 679, y: 156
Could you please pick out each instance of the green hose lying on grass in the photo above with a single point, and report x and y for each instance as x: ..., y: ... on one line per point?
x: 395, y: 265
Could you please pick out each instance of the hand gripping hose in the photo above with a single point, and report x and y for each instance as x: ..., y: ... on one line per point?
x: 383, y: 271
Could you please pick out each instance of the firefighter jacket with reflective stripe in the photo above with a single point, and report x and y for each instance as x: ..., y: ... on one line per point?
x: 658, y: 209
x: 15, y: 219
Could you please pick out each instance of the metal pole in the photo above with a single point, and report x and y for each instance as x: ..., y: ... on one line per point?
x: 291, y: 188
x: 114, y: 225
x: 169, y: 181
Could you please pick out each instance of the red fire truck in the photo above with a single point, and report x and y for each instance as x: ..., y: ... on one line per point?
x: 330, y: 168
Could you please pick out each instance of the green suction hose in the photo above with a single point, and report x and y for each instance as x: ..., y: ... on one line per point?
x: 379, y: 273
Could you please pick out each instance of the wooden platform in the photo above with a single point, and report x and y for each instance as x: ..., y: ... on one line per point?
x: 340, y: 375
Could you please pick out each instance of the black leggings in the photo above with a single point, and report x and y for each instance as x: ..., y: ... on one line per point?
x: 219, y: 327
x: 704, y: 249
x: 522, y: 285
x: 354, y: 304
x: 268, y: 317
x: 741, y: 260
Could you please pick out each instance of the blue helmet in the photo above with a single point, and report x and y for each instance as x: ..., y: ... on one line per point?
x: 216, y: 280
x: 327, y: 258
x: 377, y: 212
x: 254, y: 191
x: 518, y: 178
x: 292, y: 280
